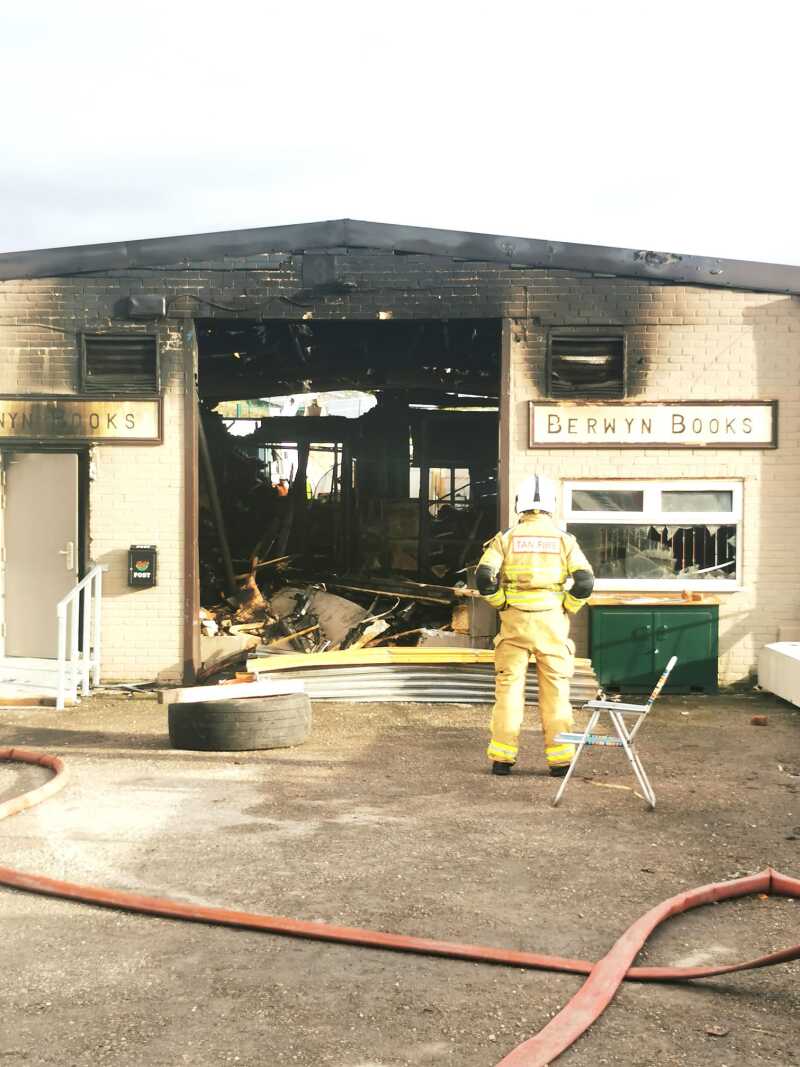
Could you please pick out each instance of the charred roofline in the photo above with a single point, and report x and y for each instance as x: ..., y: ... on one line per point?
x: 353, y: 234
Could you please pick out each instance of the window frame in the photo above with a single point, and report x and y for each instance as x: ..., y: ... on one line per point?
x: 566, y: 333
x: 653, y: 514
x: 118, y: 335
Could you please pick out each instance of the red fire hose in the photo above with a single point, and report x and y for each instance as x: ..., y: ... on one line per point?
x: 597, y: 992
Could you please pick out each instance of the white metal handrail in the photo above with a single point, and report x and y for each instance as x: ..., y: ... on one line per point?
x: 79, y: 637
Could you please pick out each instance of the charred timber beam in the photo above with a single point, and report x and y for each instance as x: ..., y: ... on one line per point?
x: 283, y: 428
x: 216, y: 386
x: 216, y: 508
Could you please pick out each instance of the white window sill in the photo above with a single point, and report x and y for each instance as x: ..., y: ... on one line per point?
x: 644, y: 585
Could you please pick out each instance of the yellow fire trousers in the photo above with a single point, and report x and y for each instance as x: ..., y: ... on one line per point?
x: 545, y: 635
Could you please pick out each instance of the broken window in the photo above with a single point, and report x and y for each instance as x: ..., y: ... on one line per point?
x: 119, y: 364
x: 280, y: 463
x: 659, y: 552
x: 585, y: 367
x: 448, y: 487
x: 657, y: 535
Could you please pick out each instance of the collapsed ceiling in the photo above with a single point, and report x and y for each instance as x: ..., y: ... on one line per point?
x: 244, y: 359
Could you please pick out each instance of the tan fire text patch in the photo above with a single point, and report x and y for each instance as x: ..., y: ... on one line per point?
x: 524, y: 545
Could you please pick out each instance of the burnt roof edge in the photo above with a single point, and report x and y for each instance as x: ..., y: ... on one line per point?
x: 350, y: 233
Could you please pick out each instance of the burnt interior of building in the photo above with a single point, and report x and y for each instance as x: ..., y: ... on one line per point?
x: 410, y: 491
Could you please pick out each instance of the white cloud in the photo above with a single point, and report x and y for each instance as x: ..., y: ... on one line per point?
x: 665, y: 126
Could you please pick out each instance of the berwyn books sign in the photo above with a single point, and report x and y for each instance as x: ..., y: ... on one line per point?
x: 53, y: 419
x: 693, y: 424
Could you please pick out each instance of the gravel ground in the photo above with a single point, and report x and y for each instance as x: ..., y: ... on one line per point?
x: 387, y: 818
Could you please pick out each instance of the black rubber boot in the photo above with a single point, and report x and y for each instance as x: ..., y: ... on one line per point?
x: 501, y: 768
x: 559, y: 772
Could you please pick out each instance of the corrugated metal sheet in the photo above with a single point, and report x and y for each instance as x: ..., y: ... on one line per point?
x: 425, y: 684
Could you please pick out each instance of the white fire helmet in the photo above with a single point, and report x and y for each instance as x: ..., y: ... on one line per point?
x: 537, y: 493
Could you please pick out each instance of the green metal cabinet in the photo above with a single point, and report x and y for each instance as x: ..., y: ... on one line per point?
x: 630, y: 646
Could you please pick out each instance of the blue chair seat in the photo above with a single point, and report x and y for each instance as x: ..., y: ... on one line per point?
x: 590, y: 739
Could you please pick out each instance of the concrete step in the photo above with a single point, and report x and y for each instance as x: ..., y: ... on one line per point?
x: 28, y: 671
x: 27, y: 681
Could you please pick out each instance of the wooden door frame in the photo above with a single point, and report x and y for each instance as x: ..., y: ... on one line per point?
x: 191, y: 509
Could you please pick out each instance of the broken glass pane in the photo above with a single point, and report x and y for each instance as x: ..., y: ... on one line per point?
x: 673, y: 500
x: 658, y: 552
x: 607, y: 500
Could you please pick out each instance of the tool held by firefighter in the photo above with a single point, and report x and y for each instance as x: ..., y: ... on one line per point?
x: 536, y: 576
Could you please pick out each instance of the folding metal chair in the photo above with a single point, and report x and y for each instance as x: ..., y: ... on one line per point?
x: 622, y: 738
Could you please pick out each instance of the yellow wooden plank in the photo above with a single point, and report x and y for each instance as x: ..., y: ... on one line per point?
x: 193, y: 694
x: 367, y: 657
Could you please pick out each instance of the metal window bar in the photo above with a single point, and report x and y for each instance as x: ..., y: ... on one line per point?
x: 79, y: 627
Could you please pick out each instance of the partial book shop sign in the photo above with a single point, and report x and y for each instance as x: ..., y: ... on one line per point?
x: 693, y: 424
x: 51, y: 419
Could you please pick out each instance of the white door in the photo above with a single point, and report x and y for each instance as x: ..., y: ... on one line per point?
x: 41, y: 548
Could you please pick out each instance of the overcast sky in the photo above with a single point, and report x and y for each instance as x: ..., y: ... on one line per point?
x: 670, y: 126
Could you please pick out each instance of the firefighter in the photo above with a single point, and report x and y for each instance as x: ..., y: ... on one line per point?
x: 536, y: 576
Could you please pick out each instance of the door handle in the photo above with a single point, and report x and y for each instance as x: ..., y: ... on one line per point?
x: 69, y: 552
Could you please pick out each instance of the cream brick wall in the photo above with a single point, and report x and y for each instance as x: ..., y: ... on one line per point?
x: 689, y: 344
x: 135, y: 492
x: 136, y: 497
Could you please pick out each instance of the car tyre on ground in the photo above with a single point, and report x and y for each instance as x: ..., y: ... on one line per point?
x: 240, y: 725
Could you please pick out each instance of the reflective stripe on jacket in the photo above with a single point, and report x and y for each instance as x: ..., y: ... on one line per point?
x: 534, y: 560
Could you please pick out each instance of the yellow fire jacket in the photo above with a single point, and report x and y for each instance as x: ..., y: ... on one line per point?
x: 528, y: 565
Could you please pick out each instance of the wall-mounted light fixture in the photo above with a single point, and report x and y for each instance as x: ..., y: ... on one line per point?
x: 147, y: 306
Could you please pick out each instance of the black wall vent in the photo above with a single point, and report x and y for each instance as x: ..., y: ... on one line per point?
x: 114, y: 363
x: 584, y: 367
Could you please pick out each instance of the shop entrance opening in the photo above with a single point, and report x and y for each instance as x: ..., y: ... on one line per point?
x: 356, y: 455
